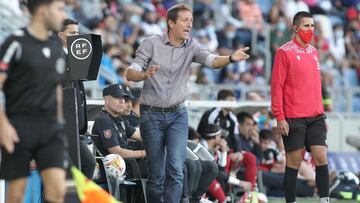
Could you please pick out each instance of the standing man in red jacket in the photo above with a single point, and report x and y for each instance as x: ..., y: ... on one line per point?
x: 296, y: 103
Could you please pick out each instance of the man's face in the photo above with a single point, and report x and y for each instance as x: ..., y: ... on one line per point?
x: 128, y: 107
x: 215, y: 141
x: 54, y: 15
x: 246, y: 127
x: 230, y: 98
x: 305, y: 24
x: 230, y: 28
x: 71, y: 30
x: 264, y: 144
x: 116, y: 104
x: 182, y: 27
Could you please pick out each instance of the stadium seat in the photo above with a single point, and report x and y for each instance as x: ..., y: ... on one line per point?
x: 344, y: 161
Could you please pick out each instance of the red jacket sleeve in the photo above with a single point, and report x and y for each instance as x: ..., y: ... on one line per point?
x: 278, y: 78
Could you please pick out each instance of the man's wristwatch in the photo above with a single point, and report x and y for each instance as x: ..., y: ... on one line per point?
x: 230, y: 59
x: 144, y: 76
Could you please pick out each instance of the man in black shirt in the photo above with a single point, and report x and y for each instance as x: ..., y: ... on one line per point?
x: 113, y: 130
x: 87, y: 159
x: 249, y: 137
x: 134, y: 117
x: 223, y: 117
x: 128, y: 100
x: 71, y: 28
x: 31, y: 69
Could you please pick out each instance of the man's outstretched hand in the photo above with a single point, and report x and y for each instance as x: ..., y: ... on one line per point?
x: 151, y: 70
x: 240, y: 55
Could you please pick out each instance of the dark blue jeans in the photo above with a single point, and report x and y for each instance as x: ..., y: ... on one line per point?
x: 165, y: 137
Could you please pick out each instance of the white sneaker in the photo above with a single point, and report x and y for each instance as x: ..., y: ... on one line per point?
x: 204, y: 200
x: 262, y: 197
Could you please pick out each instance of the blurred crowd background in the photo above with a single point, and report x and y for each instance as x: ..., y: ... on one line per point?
x: 222, y: 26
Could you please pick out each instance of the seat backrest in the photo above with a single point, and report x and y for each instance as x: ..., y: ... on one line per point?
x: 102, y: 178
x: 344, y: 161
x: 112, y: 184
x: 90, y: 126
x: 200, y: 151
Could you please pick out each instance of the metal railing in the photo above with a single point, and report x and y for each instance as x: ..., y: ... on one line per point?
x: 344, y: 99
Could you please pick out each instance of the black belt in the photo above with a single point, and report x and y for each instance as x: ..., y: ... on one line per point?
x: 169, y: 109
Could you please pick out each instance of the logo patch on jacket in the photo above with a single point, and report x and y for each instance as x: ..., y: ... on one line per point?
x: 3, y: 66
x: 46, y: 51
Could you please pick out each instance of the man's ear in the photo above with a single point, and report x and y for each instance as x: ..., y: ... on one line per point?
x: 62, y: 36
x: 106, y: 99
x: 44, y: 11
x: 296, y: 28
x: 171, y: 23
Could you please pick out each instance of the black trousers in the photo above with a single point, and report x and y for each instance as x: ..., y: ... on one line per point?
x: 198, y: 176
x: 209, y: 172
x: 192, y: 172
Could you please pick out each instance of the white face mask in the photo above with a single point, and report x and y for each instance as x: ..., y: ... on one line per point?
x: 259, y: 63
x: 192, y: 78
x: 329, y: 63
x: 210, y: 28
x: 339, y: 34
x: 135, y: 19
x: 281, y: 26
x: 163, y: 25
x: 230, y: 35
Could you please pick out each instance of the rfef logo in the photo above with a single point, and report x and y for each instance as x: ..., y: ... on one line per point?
x: 81, y: 48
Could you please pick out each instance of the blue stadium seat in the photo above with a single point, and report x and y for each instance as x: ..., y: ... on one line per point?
x: 346, y: 161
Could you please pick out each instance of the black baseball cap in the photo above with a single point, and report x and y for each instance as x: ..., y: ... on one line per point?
x: 136, y: 92
x: 128, y: 92
x: 115, y: 90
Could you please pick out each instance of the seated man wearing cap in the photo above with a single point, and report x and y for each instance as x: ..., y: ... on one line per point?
x: 132, y: 111
x: 112, y: 129
x: 134, y: 116
x: 130, y: 116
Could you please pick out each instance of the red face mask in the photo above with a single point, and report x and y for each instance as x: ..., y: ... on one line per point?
x: 306, y: 35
